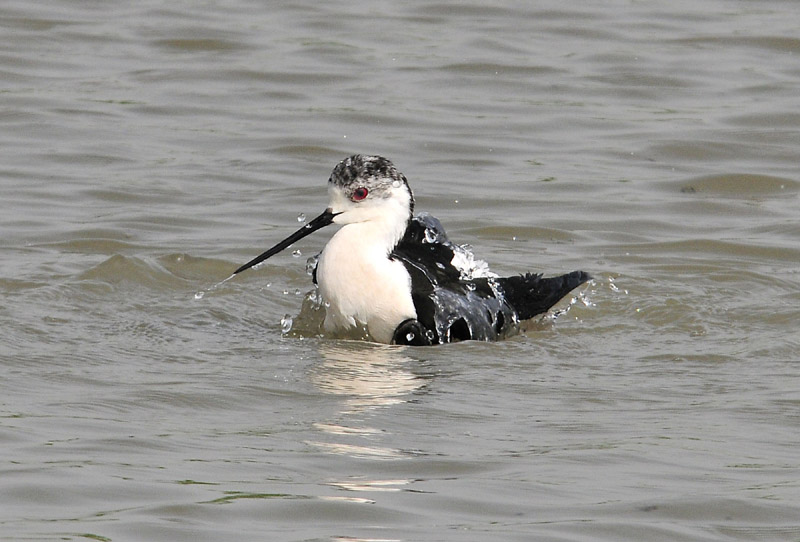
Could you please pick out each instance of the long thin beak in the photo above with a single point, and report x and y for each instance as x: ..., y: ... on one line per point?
x: 320, y: 222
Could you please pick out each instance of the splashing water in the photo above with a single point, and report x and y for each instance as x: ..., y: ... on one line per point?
x: 583, y: 297
x: 614, y: 288
x: 470, y: 267
x: 430, y: 236
x: 200, y: 294
x: 286, y: 324
x: 308, y: 323
x: 463, y: 259
x: 315, y: 298
x: 311, y: 264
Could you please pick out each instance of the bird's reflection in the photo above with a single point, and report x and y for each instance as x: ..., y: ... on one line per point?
x: 368, y: 377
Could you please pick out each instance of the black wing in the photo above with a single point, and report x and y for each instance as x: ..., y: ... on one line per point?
x: 450, y: 308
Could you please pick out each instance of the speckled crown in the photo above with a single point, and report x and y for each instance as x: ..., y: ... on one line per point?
x: 374, y: 172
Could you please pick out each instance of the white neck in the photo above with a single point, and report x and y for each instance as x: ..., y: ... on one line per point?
x: 361, y: 284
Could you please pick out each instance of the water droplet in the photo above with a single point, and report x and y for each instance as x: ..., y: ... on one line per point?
x: 297, y: 253
x: 301, y: 217
x: 286, y: 324
x: 514, y: 238
x: 311, y: 264
x: 199, y: 295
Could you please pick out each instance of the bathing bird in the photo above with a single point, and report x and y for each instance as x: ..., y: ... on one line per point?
x: 397, y: 274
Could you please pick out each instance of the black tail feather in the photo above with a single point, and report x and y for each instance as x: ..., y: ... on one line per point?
x: 531, y: 294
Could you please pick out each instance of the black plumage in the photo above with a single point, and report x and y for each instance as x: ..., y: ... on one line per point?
x: 451, y: 307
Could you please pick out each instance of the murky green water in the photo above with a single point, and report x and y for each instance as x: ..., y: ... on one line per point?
x: 148, y: 150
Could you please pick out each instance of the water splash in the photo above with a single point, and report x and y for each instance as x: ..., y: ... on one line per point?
x: 308, y: 323
x: 468, y: 266
x: 315, y: 298
x: 286, y: 324
x: 584, y: 298
x: 434, y: 232
x: 311, y: 264
x: 463, y: 259
x: 456, y: 311
x: 430, y: 236
x: 580, y: 298
x: 614, y: 288
x: 201, y: 293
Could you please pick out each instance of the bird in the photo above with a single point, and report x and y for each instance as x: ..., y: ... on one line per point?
x: 397, y: 274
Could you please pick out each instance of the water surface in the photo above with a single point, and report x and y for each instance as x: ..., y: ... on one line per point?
x: 148, y: 150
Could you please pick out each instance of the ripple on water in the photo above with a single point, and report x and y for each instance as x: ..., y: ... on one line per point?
x: 741, y: 185
x: 137, y: 168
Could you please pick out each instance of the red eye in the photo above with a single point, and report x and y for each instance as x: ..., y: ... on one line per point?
x: 360, y: 193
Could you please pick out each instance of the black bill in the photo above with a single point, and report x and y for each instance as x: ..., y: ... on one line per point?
x: 320, y: 222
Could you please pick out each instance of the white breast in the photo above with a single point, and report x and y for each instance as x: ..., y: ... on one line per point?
x: 362, y: 285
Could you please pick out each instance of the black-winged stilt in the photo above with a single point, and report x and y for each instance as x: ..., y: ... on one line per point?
x: 399, y: 276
